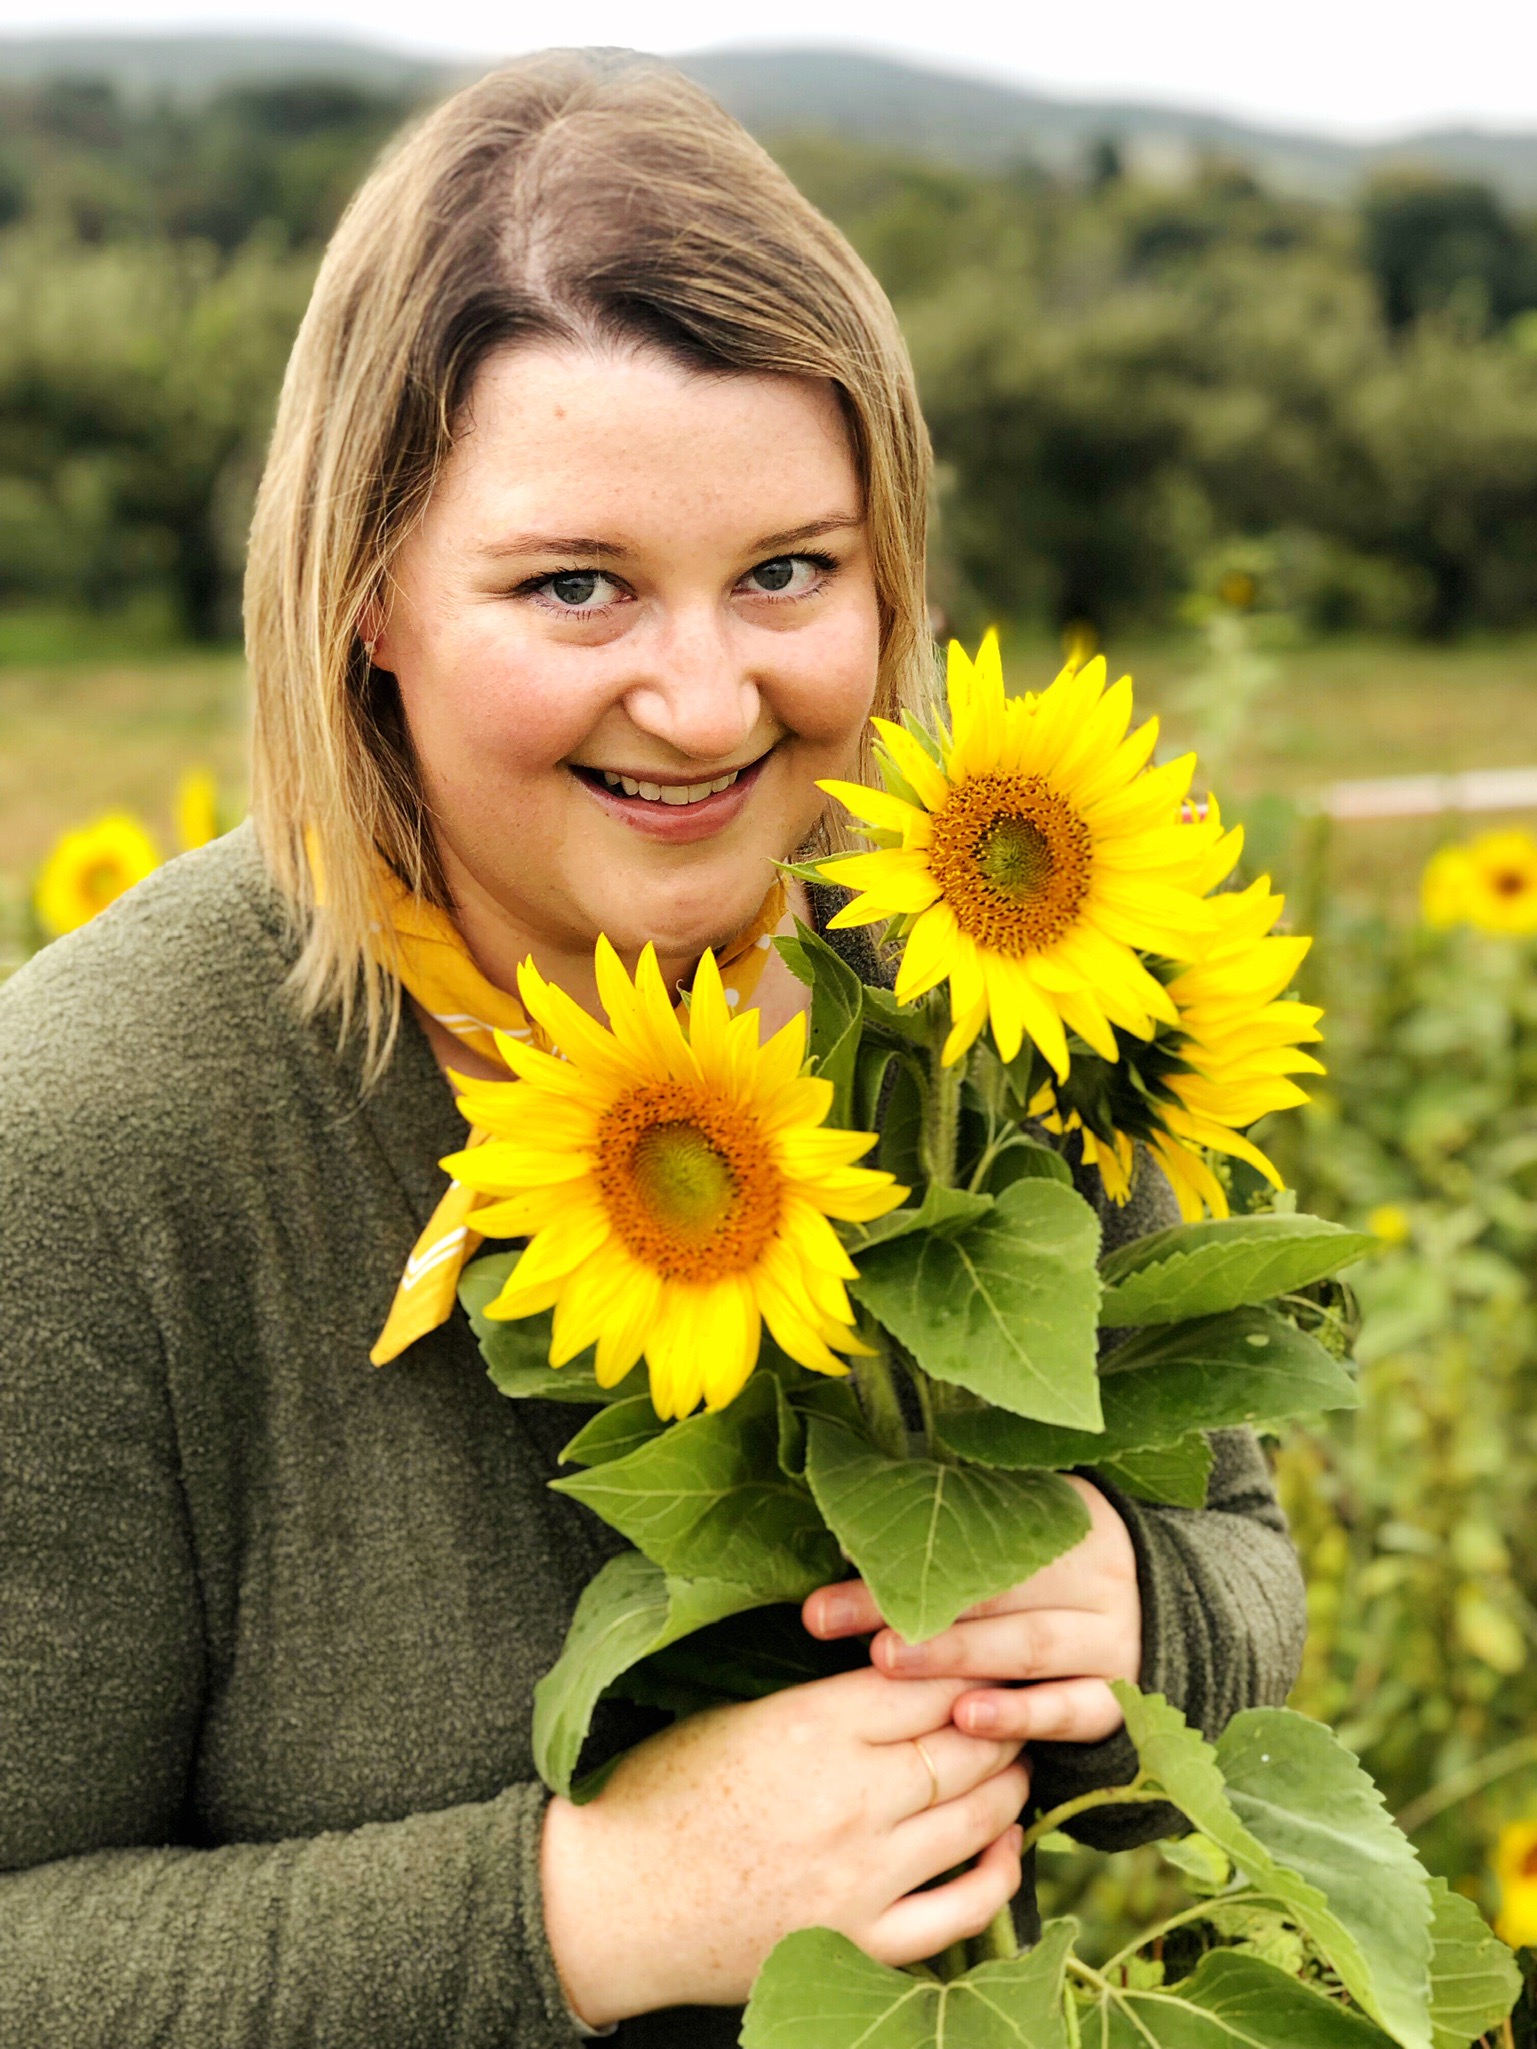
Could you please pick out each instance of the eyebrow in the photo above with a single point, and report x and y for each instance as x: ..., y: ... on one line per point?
x: 594, y: 548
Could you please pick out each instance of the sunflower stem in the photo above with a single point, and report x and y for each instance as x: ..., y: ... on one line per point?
x: 941, y: 1112
x: 878, y: 1398
x: 998, y: 1942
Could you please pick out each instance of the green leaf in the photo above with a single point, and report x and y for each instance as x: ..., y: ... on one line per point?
x: 1006, y: 1309
x: 1293, y: 1809
x: 743, y: 1658
x: 614, y: 1432
x: 932, y: 1540
x: 1027, y: 1162
x: 906, y: 1024
x: 943, y: 1210
x: 630, y: 1610
x: 517, y: 1353
x: 899, y: 1150
x: 1250, y: 1366
x: 710, y: 1499
x: 1223, y: 1263
x: 1172, y: 1473
x: 1232, y: 2001
x: 1474, y: 1979
x: 837, y: 1009
x: 1207, y: 1868
x: 818, y: 1991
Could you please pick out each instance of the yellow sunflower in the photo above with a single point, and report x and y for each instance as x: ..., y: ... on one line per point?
x: 90, y: 868
x: 1515, y: 1866
x: 1033, y: 854
x: 197, y: 808
x: 1490, y: 883
x: 1227, y: 1062
x: 675, y: 1188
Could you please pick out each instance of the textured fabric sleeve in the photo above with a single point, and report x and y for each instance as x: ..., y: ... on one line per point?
x: 423, y: 1931
x: 1223, y: 1603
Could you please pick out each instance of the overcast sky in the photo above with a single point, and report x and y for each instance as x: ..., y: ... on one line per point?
x: 1352, y: 67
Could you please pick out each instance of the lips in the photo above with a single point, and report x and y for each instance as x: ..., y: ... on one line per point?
x: 667, y: 793
x: 671, y: 811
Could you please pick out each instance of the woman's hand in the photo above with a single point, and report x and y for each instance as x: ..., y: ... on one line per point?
x: 812, y: 1808
x: 1036, y: 1659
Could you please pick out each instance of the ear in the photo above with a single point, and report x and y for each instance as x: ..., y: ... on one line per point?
x: 371, y: 625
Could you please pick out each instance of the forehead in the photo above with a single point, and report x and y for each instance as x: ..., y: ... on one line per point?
x: 632, y: 435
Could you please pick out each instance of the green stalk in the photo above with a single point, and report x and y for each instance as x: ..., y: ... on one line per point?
x: 997, y: 1943
x: 941, y: 1110
x: 877, y: 1390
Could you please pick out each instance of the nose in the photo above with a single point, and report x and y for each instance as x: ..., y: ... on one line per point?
x: 695, y: 694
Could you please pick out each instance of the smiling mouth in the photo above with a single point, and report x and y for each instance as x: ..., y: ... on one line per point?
x: 677, y: 795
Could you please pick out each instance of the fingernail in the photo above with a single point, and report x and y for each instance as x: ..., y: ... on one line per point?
x: 981, y: 1717
x: 903, y: 1657
x: 1016, y: 1838
x: 837, y: 1612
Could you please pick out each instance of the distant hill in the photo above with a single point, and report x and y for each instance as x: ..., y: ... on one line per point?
x: 968, y: 120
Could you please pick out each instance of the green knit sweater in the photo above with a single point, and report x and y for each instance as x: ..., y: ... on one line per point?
x: 270, y: 1620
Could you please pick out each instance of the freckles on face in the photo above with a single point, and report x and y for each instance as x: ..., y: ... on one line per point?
x: 635, y: 581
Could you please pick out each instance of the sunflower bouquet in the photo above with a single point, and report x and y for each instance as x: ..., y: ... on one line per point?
x: 878, y: 1328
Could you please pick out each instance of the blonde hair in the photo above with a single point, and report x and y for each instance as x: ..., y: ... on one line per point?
x: 569, y: 197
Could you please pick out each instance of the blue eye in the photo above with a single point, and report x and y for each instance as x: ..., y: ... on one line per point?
x: 788, y: 576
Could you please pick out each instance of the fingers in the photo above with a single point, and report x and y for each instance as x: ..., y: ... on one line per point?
x: 847, y: 1609
x: 1057, y: 1711
x: 925, y: 1771
x: 959, y: 1829
x: 924, y: 1923
x: 1058, y: 1643
x: 879, y: 1710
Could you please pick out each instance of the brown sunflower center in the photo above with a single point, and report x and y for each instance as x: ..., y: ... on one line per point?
x: 1528, y: 1865
x: 687, y: 1181
x: 1511, y: 882
x: 1014, y: 860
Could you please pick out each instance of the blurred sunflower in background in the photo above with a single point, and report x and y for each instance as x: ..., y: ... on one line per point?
x: 676, y: 1188
x: 197, y: 809
x: 90, y: 868
x: 1489, y: 883
x: 1515, y: 1866
x: 1031, y: 854
x: 1228, y: 1060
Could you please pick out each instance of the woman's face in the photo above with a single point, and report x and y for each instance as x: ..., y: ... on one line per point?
x: 636, y: 624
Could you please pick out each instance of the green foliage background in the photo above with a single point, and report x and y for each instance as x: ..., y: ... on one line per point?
x: 1122, y: 377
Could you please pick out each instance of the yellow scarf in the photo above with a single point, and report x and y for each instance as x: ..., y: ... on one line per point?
x: 435, y: 967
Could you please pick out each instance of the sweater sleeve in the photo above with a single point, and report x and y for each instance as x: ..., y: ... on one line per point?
x: 115, y: 1933
x: 1223, y: 1603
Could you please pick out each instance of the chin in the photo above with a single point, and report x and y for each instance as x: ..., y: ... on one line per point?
x: 682, y: 918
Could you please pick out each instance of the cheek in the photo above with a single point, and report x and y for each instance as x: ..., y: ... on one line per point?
x: 827, y: 694
x: 497, y: 716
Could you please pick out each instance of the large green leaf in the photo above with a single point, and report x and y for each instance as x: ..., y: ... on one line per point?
x: 631, y: 1609
x: 1293, y: 1809
x: 837, y: 998
x: 517, y: 1353
x: 742, y: 1658
x: 945, y: 1210
x: 1250, y: 1366
x: 1172, y: 1473
x: 1223, y: 1263
x: 818, y: 1991
x: 1005, y: 1308
x: 932, y: 1540
x: 710, y: 1498
x: 614, y: 1432
x: 1232, y: 2001
x: 1474, y: 1981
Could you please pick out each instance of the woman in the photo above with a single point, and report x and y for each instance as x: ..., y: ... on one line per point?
x: 592, y: 531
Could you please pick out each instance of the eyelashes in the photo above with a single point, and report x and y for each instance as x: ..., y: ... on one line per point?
x: 582, y: 585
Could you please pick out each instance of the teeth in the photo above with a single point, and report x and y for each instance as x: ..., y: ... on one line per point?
x: 669, y: 793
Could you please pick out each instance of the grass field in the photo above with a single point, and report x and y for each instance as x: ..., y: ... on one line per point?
x: 80, y: 738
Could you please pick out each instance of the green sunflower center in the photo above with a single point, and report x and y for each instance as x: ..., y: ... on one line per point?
x: 684, y: 1180
x: 1014, y: 859
x: 688, y: 1180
